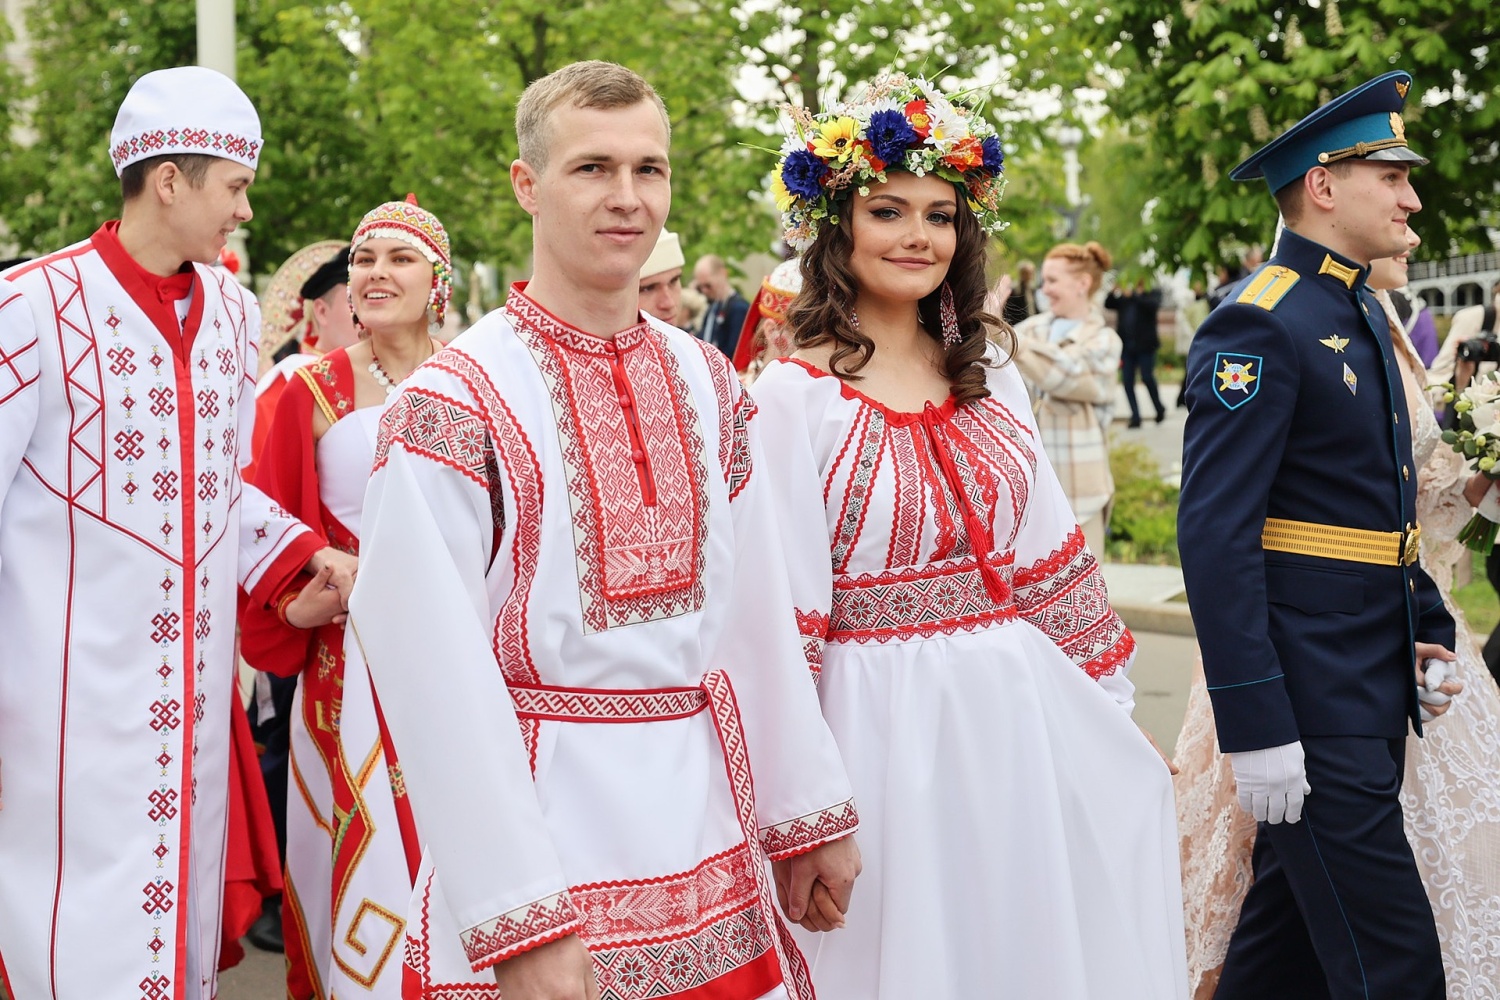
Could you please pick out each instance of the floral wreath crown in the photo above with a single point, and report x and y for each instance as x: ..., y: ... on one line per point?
x: 897, y: 123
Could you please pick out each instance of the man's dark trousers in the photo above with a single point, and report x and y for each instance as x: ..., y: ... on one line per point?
x: 1338, y: 911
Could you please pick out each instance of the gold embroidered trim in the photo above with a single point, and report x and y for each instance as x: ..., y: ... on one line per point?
x: 321, y: 399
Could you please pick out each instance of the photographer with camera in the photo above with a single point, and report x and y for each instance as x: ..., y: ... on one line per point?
x: 1471, y: 346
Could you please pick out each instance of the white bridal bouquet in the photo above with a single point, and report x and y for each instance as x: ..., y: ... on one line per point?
x: 1477, y: 439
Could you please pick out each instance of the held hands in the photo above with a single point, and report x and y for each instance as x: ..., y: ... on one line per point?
x: 1436, y: 684
x: 325, y: 598
x: 557, y: 970
x: 1171, y: 764
x: 814, y: 888
x: 1272, y: 782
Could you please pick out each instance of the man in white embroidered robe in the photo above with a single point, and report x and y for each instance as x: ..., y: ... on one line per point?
x: 575, y: 611
x: 127, y: 371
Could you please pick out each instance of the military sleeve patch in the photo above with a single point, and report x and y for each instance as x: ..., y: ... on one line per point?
x: 1236, y: 378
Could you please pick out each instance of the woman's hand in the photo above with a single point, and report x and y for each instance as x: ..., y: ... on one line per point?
x: 317, y: 603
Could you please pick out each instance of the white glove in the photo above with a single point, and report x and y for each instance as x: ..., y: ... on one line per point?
x: 1435, y: 671
x: 1272, y: 782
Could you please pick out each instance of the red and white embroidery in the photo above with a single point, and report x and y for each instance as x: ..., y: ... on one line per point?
x: 522, y: 929
x: 863, y: 446
x: 629, y: 435
x: 158, y: 141
x: 798, y: 836
x: 523, y: 490
x: 559, y: 704
x: 813, y: 626
x: 916, y: 602
x: 1064, y: 596
x: 737, y: 471
x: 433, y: 426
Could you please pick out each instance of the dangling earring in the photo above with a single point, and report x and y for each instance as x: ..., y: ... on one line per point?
x: 854, y: 320
x: 948, y: 315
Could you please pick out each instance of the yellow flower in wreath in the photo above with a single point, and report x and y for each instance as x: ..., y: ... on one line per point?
x: 835, y: 139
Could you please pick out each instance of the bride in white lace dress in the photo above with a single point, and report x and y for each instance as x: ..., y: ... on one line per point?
x: 1451, y: 792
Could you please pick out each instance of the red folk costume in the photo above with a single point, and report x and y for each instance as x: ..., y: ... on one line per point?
x: 125, y: 531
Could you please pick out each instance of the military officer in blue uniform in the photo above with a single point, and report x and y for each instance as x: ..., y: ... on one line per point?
x: 1297, y: 529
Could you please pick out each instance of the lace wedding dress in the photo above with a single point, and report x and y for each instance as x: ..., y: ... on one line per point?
x: 1451, y: 793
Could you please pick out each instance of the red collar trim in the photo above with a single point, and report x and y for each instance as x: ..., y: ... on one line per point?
x: 153, y: 293
x: 932, y: 412
x: 524, y: 309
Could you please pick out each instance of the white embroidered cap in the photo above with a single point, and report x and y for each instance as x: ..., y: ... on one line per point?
x: 666, y: 255
x: 185, y: 109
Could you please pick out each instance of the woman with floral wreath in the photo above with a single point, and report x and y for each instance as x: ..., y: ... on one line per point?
x: 1018, y: 833
x: 352, y: 850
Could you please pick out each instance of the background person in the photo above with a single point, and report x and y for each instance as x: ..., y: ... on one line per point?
x: 726, y: 306
x: 351, y: 840
x: 1069, y: 357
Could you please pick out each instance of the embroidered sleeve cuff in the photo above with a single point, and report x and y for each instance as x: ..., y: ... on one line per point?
x: 798, y: 836
x: 284, y: 568
x: 522, y: 929
x: 813, y: 625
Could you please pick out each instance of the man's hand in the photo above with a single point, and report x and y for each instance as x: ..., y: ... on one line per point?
x: 814, y: 888
x: 1436, y: 684
x: 557, y: 970
x: 1272, y: 782
x: 317, y: 603
x: 344, y: 568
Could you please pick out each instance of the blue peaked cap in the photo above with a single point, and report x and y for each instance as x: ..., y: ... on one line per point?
x: 1364, y: 124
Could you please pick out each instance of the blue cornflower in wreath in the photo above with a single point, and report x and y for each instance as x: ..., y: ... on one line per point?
x: 803, y: 174
x: 890, y: 135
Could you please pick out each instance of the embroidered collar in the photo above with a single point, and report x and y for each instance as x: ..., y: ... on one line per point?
x: 525, y: 311
x: 153, y: 293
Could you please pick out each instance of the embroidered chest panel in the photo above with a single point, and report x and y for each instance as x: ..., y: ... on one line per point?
x: 633, y: 462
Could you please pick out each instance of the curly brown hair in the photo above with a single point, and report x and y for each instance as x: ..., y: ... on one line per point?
x: 821, y: 311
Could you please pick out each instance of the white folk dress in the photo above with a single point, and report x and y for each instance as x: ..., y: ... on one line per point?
x: 124, y: 532
x: 575, y: 610
x: 1018, y: 835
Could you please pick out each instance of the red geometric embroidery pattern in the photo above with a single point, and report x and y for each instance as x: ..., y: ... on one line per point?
x: 869, y: 432
x: 158, y: 988
x: 527, y: 492
x: 637, y: 562
x: 164, y: 714
x: 800, y: 835
x: 737, y: 472
x: 602, y: 705
x: 158, y: 897
x: 521, y: 929
x: 618, y: 914
x: 121, y: 360
x: 916, y: 601
x: 1064, y: 595
x: 129, y: 442
x: 442, y: 429
x: 18, y: 368
x: 673, y: 967
x: 813, y: 627
x: 163, y: 804
x: 150, y: 143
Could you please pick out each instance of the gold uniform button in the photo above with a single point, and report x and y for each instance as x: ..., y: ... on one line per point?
x: 1413, y: 585
x: 1396, y: 417
x: 1405, y: 472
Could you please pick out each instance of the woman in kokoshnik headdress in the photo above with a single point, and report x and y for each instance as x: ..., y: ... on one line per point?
x: 351, y: 840
x: 1018, y: 834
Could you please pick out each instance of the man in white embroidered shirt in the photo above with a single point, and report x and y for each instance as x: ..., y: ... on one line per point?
x: 127, y: 377
x: 575, y: 612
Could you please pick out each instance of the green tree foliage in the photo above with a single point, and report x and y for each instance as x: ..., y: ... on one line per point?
x: 1205, y: 83
x: 364, y: 100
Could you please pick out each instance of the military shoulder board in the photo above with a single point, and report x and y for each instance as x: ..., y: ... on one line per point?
x: 1269, y: 286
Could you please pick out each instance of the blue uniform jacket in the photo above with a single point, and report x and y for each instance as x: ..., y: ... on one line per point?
x: 1296, y: 410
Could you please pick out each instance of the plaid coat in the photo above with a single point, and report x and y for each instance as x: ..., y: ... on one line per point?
x: 1072, y: 385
